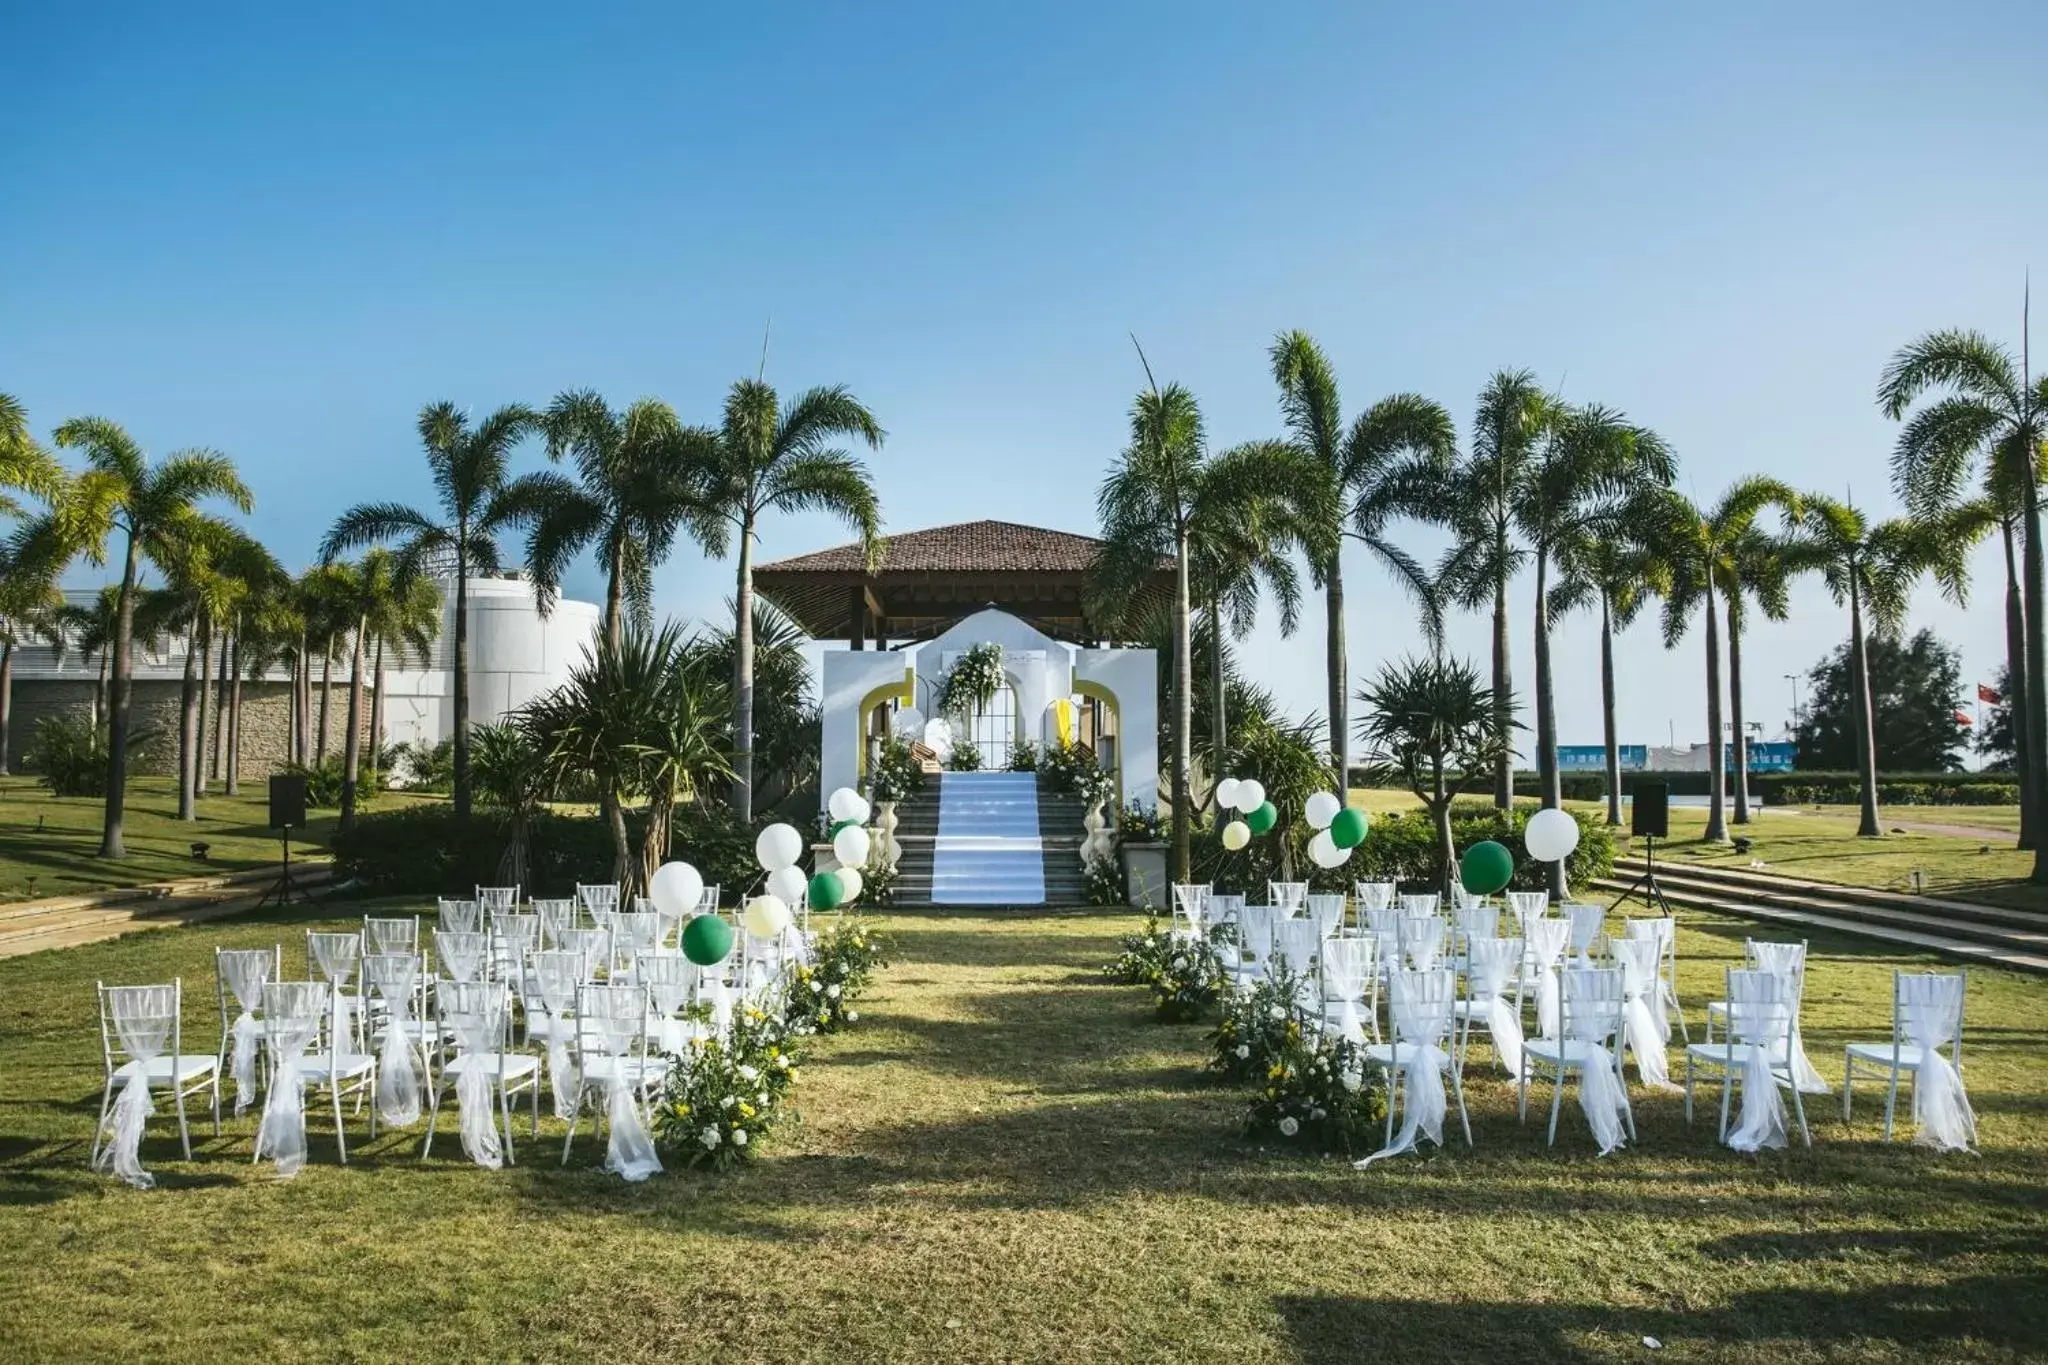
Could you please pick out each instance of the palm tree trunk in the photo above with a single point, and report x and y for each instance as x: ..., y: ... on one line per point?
x: 1339, y: 669
x: 1440, y: 815
x: 462, y: 674
x: 1219, y: 719
x: 615, y: 595
x: 1503, y: 689
x: 234, y: 758
x: 1183, y: 707
x: 622, y: 846
x: 1866, y: 740
x: 1717, y: 820
x: 1741, y: 743
x: 2037, y: 659
x: 6, y: 699
x: 1552, y: 786
x: 199, y: 730
x: 326, y: 700
x: 188, y: 730
x: 352, y: 742
x: 217, y: 762
x: 302, y: 693
x: 377, y: 721
x: 2017, y: 686
x: 743, y: 678
x: 111, y: 843
x: 99, y: 688
x: 1607, y: 710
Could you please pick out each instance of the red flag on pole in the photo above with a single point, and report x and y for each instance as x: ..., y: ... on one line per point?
x: 1988, y: 695
x: 1963, y: 718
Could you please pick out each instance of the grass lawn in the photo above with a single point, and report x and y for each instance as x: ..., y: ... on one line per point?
x: 1007, y: 1161
x: 49, y: 844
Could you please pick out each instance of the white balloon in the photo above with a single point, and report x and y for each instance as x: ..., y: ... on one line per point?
x: 787, y: 884
x: 938, y: 737
x: 1226, y: 793
x: 1323, y: 851
x: 778, y: 846
x: 851, y: 846
x: 908, y: 724
x: 1551, y: 836
x: 675, y: 889
x: 1321, y: 809
x: 850, y: 884
x: 1251, y: 794
x: 846, y: 804
x: 766, y: 916
x: 1236, y: 835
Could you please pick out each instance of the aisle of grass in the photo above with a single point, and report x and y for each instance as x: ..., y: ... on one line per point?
x: 1008, y: 1161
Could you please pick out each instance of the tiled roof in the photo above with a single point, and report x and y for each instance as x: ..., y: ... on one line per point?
x: 968, y: 547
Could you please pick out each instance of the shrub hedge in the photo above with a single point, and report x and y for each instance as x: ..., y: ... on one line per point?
x: 1802, y: 787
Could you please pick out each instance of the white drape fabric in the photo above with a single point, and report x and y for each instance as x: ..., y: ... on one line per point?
x: 1477, y: 921
x: 143, y: 1018
x: 1528, y: 905
x: 1190, y: 899
x: 336, y: 957
x: 599, y: 897
x: 1419, y: 904
x: 1422, y: 941
x: 555, y: 917
x: 393, y: 977
x: 1661, y: 930
x: 613, y: 1018
x: 1421, y: 1006
x: 1789, y: 961
x: 391, y: 935
x: 475, y: 1012
x: 1255, y: 924
x: 1295, y: 942
x: 1759, y: 1022
x: 1641, y: 1029
x: 667, y: 979
x: 1489, y: 965
x: 1327, y: 912
x: 1345, y: 963
x: 245, y: 971
x: 1287, y: 897
x: 1930, y: 1014
x: 556, y: 975
x: 461, y: 953
x: 1593, y: 1010
x: 638, y: 931
x: 1373, y: 895
x: 460, y: 916
x: 293, y: 1012
x: 1547, y: 939
x: 1585, y: 921
x: 497, y: 899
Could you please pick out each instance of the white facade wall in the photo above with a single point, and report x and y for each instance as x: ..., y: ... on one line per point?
x: 515, y: 654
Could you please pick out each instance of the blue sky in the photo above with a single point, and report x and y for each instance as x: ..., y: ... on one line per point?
x: 279, y: 233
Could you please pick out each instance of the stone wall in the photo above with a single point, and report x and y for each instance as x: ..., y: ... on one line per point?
x: 266, y: 721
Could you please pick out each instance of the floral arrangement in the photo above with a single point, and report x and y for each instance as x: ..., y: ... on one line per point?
x: 878, y: 879
x: 1143, y: 957
x: 1141, y: 823
x: 1068, y: 768
x: 973, y: 681
x: 844, y: 960
x: 1106, y: 881
x: 1189, y: 982
x: 964, y: 758
x: 1319, y: 1095
x: 1023, y: 757
x: 897, y: 772
x: 1257, y: 1027
x: 725, y: 1095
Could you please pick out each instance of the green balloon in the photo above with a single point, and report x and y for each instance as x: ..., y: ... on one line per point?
x: 838, y: 825
x: 1348, y: 829
x: 1263, y: 819
x: 827, y: 891
x: 1486, y: 868
x: 707, y: 940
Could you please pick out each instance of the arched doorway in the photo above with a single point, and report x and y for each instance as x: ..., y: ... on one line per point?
x: 993, y: 729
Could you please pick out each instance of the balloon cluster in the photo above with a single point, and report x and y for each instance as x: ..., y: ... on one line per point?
x: 1487, y: 867
x: 677, y: 889
x: 779, y: 846
x: 1338, y: 829
x: 1247, y: 796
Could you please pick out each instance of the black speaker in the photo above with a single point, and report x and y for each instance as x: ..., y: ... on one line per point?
x: 1649, y: 810
x: 287, y: 801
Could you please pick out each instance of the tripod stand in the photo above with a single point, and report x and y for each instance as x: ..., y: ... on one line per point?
x: 284, y: 889
x: 1645, y: 888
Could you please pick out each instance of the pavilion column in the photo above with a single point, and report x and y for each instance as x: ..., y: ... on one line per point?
x: 858, y: 636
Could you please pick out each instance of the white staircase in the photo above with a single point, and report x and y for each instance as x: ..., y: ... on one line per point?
x: 988, y: 850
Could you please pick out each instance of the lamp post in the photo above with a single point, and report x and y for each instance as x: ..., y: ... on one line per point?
x: 1793, y: 678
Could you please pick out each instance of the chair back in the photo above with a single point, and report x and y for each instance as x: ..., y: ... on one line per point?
x: 1461, y: 899
x: 1223, y: 908
x: 1476, y: 921
x: 1760, y: 1009
x: 555, y: 916
x: 1490, y: 963
x: 1786, y: 959
x: 463, y: 956
x: 476, y: 1014
x: 294, y: 1014
x: 1421, y: 939
x: 497, y: 899
x: 1295, y: 942
x: 1528, y: 905
x: 332, y: 957
x: 1346, y: 965
x: 1420, y: 1003
x: 1592, y: 1001
x: 1547, y: 936
x: 1585, y: 921
x: 1190, y: 903
x: 458, y: 916
x: 1424, y: 903
x: 637, y: 931
x: 1287, y: 897
x: 1327, y: 912
x: 240, y: 975
x: 1927, y: 1011
x: 598, y: 897
x: 611, y: 1021
x: 392, y: 977
x: 668, y: 978
x: 143, y: 1021
x: 1373, y: 895
x: 398, y: 934
x: 514, y: 938
x: 1255, y: 925
x: 1638, y: 960
x: 594, y: 946
x: 555, y: 974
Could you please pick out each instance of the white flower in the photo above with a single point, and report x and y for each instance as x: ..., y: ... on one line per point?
x: 748, y: 1073
x: 852, y: 1016
x: 739, y: 1137
x: 1318, y: 1115
x: 728, y: 1102
x: 762, y: 1099
x: 709, y: 1137
x: 1277, y: 1014
x: 1289, y: 1126
x: 782, y: 1062
x: 1244, y: 1052
x: 1352, y: 1080
x: 833, y: 990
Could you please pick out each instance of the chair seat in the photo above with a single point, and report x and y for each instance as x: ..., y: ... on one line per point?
x: 1572, y: 1052
x: 1478, y: 1011
x: 1383, y: 1055
x: 346, y: 1066
x: 1911, y: 1057
x: 517, y: 1065
x: 549, y: 1028
x: 1717, y: 1009
x: 1720, y: 1054
x: 635, y: 1070
x: 163, y: 1069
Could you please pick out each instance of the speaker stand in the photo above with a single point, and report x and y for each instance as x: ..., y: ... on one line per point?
x: 284, y: 889
x: 1645, y: 888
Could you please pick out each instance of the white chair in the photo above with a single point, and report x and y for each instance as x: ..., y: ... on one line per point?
x: 393, y: 981
x: 1422, y: 941
x: 146, y: 1023
x: 335, y: 959
x: 556, y: 917
x: 1287, y: 897
x: 1528, y: 905
x: 1664, y: 930
x: 598, y: 899
x: 1295, y: 945
x: 1788, y: 960
x: 1347, y: 967
x: 458, y: 916
x: 1255, y: 927
x: 1761, y: 1007
x: 1927, y: 1016
x: 551, y: 981
x: 1591, y: 1004
x: 501, y: 900
x: 240, y: 974
x: 1492, y: 966
x: 396, y: 934
x: 594, y: 946
x: 612, y: 1057
x: 476, y: 1013
x: 1328, y: 913
x: 307, y: 1044
x: 1421, y: 1005
x: 1190, y: 899
x: 1643, y: 1031
x: 1419, y: 904
x: 1474, y: 921
x: 1224, y: 908
x: 1543, y: 948
x: 463, y: 956
x: 1373, y: 895
x: 635, y: 932
x: 513, y: 938
x: 1461, y: 899
x: 1586, y: 922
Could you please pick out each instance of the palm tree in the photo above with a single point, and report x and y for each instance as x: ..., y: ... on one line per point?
x: 1698, y: 545
x: 405, y: 614
x: 1992, y: 413
x: 1478, y: 502
x: 1608, y: 564
x: 639, y: 480
x: 90, y: 630
x: 325, y: 596
x: 1589, y: 469
x: 196, y: 591
x: 30, y: 608
x: 153, y: 508
x: 1382, y: 468
x: 770, y: 458
x: 1760, y: 566
x: 786, y: 717
x: 1871, y: 569
x: 246, y: 571
x: 469, y: 465
x: 269, y: 632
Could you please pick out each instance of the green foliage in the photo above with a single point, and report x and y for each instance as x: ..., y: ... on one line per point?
x: 1141, y: 824
x: 1844, y: 792
x: 972, y: 683
x: 1141, y: 956
x: 1188, y: 984
x: 428, y: 767
x: 1257, y: 1027
x: 844, y: 960
x: 724, y: 1096
x: 69, y: 755
x: 964, y: 758
x: 1069, y: 768
x: 1402, y: 847
x: 1913, y: 689
x: 1105, y: 877
x: 323, y: 781
x: 897, y: 773
x: 1319, y: 1095
x: 1024, y: 757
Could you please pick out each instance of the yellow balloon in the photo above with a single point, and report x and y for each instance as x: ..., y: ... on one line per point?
x: 1236, y: 835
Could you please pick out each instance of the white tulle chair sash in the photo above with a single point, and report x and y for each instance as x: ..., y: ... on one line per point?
x: 1660, y: 930
x: 475, y: 1012
x: 1287, y: 897
x: 1424, y: 903
x: 462, y: 954
x: 1489, y: 965
x: 1789, y: 961
x: 1759, y: 1027
x: 1422, y: 941
x: 393, y: 977
x: 1643, y: 1032
x: 144, y: 1019
x: 615, y: 1018
x: 556, y: 975
x: 1593, y: 1000
x: 1327, y: 912
x: 1420, y: 1003
x: 245, y: 971
x: 1373, y: 895
x: 1930, y: 1014
x: 1547, y: 939
x: 293, y: 1012
x: 459, y: 916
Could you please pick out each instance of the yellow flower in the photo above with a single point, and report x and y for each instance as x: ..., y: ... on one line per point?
x: 682, y: 1111
x: 1276, y: 1072
x: 746, y: 1110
